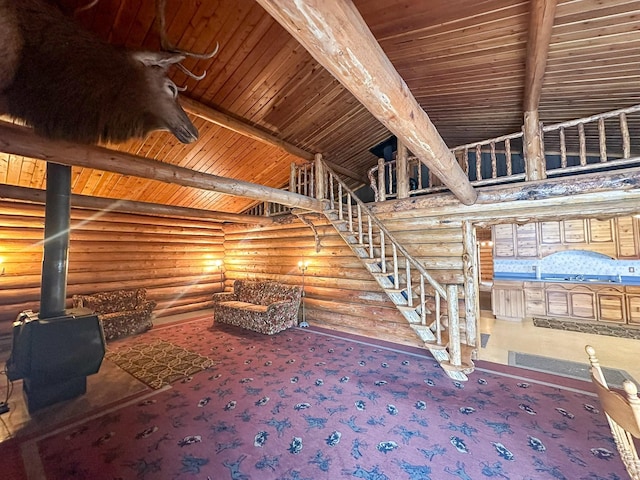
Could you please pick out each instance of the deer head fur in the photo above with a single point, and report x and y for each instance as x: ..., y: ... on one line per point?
x: 68, y: 84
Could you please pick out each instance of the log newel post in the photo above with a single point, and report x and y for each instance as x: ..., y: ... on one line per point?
x: 471, y: 279
x: 382, y: 189
x: 320, y: 178
x: 455, y: 351
x: 293, y: 178
x: 402, y: 171
x: 534, y: 158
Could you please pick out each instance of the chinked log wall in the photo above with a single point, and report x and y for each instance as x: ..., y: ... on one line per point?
x: 173, y: 258
x: 340, y: 292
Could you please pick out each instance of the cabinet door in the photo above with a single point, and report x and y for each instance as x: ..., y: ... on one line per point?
x: 600, y: 230
x: 508, y: 300
x: 534, y: 299
x: 583, y: 303
x: 611, y: 305
x: 550, y: 233
x: 574, y: 231
x: 527, y: 240
x: 633, y: 309
x: 503, y: 241
x: 627, y: 237
x: 557, y: 301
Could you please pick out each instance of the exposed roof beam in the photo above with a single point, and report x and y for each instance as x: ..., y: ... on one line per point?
x: 19, y: 140
x: 541, y: 19
x: 335, y: 34
x: 243, y: 128
x: 12, y: 192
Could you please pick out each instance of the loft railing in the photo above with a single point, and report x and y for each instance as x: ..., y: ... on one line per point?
x: 267, y: 209
x: 585, y: 145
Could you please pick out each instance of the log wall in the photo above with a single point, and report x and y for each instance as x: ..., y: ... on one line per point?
x: 340, y: 293
x: 174, y: 258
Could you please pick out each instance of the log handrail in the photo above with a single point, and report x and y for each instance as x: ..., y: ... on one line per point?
x: 363, y: 208
x: 450, y: 293
x: 500, y: 153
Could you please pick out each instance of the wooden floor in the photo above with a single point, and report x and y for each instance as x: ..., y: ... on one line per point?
x: 112, y: 384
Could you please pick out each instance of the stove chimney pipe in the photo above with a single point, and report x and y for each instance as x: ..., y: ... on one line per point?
x: 53, y: 293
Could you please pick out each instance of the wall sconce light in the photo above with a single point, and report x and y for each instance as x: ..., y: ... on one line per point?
x: 302, y: 266
x: 218, y: 264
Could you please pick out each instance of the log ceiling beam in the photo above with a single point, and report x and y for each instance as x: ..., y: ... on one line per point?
x: 227, y: 121
x: 335, y: 34
x: 243, y: 128
x: 35, y: 195
x: 541, y: 20
x: 23, y: 141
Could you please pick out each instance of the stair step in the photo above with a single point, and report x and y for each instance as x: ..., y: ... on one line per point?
x: 467, y: 354
x: 454, y: 374
x: 408, y: 308
x: 398, y: 291
x: 424, y: 333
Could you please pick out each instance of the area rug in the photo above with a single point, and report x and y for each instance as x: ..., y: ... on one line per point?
x: 309, y: 404
x: 621, y: 331
x: 158, y: 363
x: 566, y: 368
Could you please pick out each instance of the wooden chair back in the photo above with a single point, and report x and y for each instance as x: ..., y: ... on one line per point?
x: 622, y: 412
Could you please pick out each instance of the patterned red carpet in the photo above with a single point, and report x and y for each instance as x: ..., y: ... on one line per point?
x: 311, y: 404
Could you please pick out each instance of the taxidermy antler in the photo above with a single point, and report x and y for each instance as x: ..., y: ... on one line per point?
x: 68, y: 84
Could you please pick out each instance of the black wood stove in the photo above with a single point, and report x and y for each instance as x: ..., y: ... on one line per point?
x: 55, y: 350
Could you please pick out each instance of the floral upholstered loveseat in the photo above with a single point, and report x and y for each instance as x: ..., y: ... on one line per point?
x: 121, y: 312
x: 265, y: 307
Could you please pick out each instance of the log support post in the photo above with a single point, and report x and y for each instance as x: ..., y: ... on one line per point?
x: 471, y: 278
x: 292, y: 178
x: 402, y: 170
x: 533, y: 148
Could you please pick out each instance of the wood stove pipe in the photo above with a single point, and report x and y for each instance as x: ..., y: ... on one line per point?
x: 53, y: 292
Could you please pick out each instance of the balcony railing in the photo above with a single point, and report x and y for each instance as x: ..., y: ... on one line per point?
x: 579, y: 146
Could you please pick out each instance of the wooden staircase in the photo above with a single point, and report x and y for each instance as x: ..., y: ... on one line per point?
x: 405, y: 280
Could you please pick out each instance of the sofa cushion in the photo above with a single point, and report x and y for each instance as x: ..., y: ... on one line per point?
x: 249, y: 292
x: 275, y: 292
x: 111, y: 302
x: 245, y: 306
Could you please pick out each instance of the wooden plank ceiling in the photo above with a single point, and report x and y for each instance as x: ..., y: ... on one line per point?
x: 463, y: 61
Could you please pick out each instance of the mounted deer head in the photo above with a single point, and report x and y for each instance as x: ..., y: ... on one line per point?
x: 68, y: 84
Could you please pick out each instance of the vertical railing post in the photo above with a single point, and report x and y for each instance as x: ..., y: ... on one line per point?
x: 626, y: 139
x: 292, y: 178
x: 396, y: 279
x: 382, y: 195
x: 320, y: 177
x: 360, y: 239
x: 582, y: 140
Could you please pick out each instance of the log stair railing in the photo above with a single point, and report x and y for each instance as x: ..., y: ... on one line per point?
x: 405, y: 280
